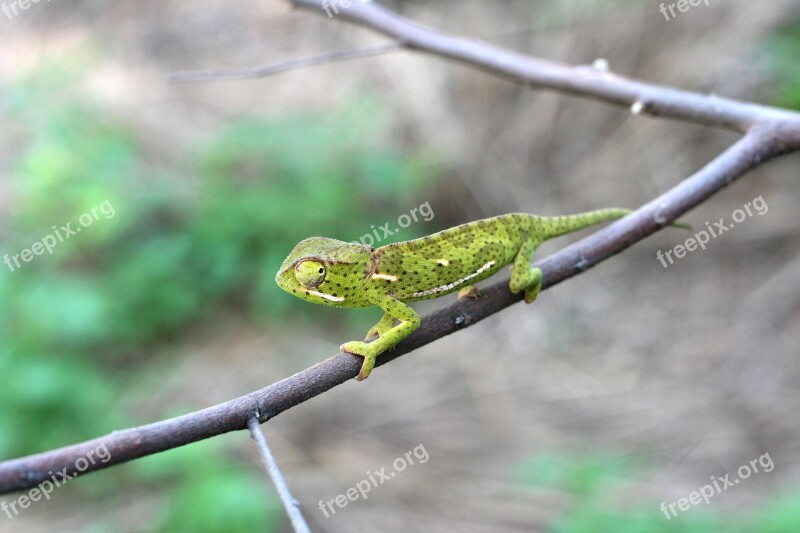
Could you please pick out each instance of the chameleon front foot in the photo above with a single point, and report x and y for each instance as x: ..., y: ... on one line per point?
x: 365, y: 350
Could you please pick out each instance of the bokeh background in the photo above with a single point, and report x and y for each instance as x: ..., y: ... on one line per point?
x: 620, y: 389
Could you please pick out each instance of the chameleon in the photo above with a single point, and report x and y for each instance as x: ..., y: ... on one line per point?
x: 347, y: 274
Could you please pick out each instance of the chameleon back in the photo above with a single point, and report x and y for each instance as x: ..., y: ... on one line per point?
x: 450, y: 260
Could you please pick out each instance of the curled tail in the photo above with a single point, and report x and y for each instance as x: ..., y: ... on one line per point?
x: 557, y: 226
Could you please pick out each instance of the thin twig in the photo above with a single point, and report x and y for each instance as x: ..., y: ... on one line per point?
x: 770, y: 132
x: 289, y: 502
x: 294, y: 64
x: 648, y: 98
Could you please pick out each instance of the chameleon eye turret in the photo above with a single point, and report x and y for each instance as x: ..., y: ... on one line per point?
x: 310, y: 274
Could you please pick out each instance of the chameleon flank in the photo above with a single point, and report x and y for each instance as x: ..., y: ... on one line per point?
x: 330, y: 272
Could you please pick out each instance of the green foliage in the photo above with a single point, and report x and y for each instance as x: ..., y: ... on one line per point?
x: 782, y: 56
x: 598, y: 501
x: 213, y: 492
x: 577, y: 475
x: 779, y: 515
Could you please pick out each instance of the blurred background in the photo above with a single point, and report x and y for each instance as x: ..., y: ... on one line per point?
x: 620, y: 389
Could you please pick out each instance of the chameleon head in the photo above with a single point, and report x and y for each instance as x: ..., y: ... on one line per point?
x: 326, y: 271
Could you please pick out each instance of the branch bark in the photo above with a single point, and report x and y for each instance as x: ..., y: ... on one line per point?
x: 769, y: 132
x: 657, y: 100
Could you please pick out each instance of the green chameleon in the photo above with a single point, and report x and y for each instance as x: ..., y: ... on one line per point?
x: 331, y: 272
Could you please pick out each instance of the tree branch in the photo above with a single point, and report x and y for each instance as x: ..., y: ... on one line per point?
x: 769, y: 132
x: 709, y: 110
x: 289, y: 503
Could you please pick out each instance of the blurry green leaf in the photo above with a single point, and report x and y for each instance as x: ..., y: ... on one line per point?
x: 576, y: 474
x: 781, y: 515
x: 782, y: 55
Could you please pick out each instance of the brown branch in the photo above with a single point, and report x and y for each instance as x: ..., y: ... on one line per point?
x: 770, y: 132
x: 709, y: 110
x: 298, y: 521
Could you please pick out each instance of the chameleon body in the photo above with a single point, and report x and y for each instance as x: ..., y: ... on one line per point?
x: 341, y: 274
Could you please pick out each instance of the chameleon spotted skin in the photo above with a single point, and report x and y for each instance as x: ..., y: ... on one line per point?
x: 331, y: 272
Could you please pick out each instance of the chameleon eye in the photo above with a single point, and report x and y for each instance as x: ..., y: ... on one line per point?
x: 310, y: 274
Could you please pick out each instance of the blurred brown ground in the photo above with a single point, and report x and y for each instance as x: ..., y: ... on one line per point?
x: 694, y: 368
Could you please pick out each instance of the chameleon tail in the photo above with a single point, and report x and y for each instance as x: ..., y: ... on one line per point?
x: 562, y: 225
x: 567, y: 224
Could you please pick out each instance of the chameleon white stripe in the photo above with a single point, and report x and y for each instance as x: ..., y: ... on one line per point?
x: 443, y: 262
x: 454, y: 284
x: 326, y: 296
x: 390, y: 277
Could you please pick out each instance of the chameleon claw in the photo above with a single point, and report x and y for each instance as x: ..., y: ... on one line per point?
x: 530, y: 296
x: 471, y: 292
x: 534, y: 285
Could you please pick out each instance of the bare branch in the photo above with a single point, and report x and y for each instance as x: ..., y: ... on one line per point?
x: 769, y: 132
x: 289, y: 502
x: 656, y: 100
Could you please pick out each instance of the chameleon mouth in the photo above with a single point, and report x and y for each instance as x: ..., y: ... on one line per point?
x: 326, y: 296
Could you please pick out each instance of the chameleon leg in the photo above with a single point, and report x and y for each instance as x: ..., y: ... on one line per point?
x: 383, y: 325
x: 523, y: 276
x: 395, y: 309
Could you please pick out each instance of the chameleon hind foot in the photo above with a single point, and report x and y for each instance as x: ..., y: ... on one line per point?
x: 533, y: 291
x: 471, y: 292
x: 530, y: 284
